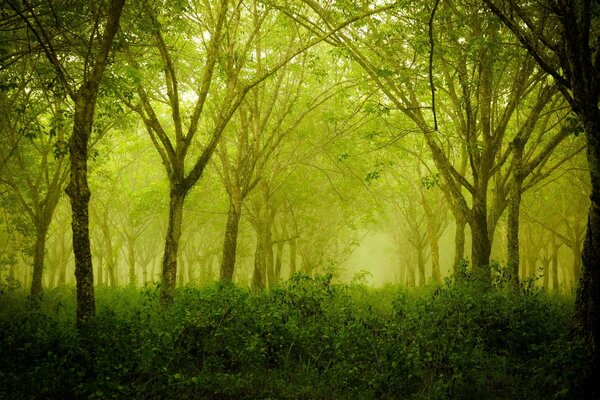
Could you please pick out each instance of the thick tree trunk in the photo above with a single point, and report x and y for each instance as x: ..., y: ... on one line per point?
x: 459, y: 243
x: 230, y: 243
x: 38, y: 259
x: 169, y: 263
x: 587, y: 306
x: 481, y: 246
x: 79, y: 194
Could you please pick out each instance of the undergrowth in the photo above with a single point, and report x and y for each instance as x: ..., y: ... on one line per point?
x: 306, y: 339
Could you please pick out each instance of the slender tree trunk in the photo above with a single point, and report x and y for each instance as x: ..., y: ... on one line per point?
x: 100, y: 267
x: 144, y: 272
x: 577, y: 261
x: 38, y: 258
x: 421, y: 266
x: 131, y: 259
x: 169, y: 263
x: 410, y: 275
x: 546, y: 271
x: 258, y: 276
x: 268, y: 254
x: 230, y: 243
x: 278, y: 260
x: 293, y: 257
x: 513, y: 215
x: 532, y: 261
x: 555, y: 248
x: 182, y: 270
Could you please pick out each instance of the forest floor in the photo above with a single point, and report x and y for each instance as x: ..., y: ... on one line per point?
x: 306, y: 339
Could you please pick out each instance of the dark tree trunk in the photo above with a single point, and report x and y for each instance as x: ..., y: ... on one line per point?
x: 79, y: 194
x: 38, y: 259
x: 513, y: 216
x: 258, y: 276
x: 169, y: 263
x: 459, y: 243
x: 587, y: 306
x: 230, y: 243
x: 481, y: 246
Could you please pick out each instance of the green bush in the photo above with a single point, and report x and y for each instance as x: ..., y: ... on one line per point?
x: 307, y: 338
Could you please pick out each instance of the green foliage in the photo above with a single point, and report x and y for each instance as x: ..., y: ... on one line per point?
x: 308, y: 338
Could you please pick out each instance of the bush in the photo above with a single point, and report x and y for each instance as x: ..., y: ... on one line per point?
x: 307, y: 338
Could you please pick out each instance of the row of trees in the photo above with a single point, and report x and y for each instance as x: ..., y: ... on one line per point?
x: 487, y: 96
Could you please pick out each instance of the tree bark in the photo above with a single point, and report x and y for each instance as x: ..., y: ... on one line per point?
x: 230, y: 243
x: 459, y: 242
x: 79, y: 194
x: 169, y: 263
x: 513, y: 215
x: 587, y: 305
x: 481, y: 246
x: 38, y: 258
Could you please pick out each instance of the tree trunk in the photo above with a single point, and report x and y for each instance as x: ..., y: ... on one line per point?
x: 169, y: 263
x: 481, y: 246
x: 512, y: 258
x: 100, y: 267
x: 587, y: 305
x: 131, y: 259
x: 293, y: 257
x: 459, y: 243
x: 268, y: 254
x: 531, y: 270
x: 577, y: 261
x: 555, y: 248
x: 79, y: 194
x: 546, y: 272
x: 278, y: 261
x: 421, y: 266
x: 38, y: 259
x: 230, y: 243
x: 258, y: 276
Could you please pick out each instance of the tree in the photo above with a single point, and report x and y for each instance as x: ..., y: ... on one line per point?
x: 570, y: 54
x: 89, y: 30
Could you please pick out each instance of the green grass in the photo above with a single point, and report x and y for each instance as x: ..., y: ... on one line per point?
x: 306, y: 339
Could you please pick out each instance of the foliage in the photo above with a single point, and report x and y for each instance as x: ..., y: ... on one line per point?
x: 307, y: 338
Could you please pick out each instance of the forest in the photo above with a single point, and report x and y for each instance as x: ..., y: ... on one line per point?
x: 299, y: 199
